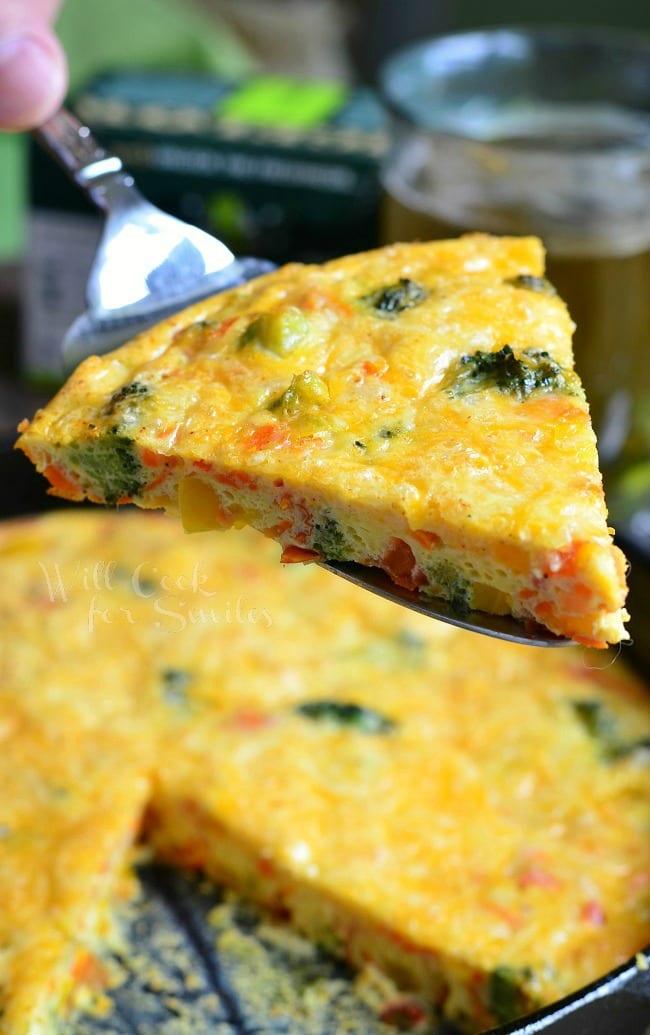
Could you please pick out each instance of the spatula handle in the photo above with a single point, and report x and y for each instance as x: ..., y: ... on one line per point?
x: 73, y: 146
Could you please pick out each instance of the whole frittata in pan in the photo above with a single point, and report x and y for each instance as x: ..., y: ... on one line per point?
x: 468, y: 817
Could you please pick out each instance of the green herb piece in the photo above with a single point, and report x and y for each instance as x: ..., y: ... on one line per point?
x: 329, y: 539
x: 58, y: 792
x: 411, y: 642
x: 530, y: 283
x: 278, y: 332
x: 597, y: 721
x: 126, y: 392
x: 506, y: 994
x: 111, y: 463
x: 306, y: 391
x: 195, y: 333
x: 139, y: 584
x: 401, y: 651
x: 455, y: 587
x: 625, y: 748
x: 175, y: 684
x: 532, y: 371
x: 390, y: 431
x: 355, y: 716
x: 329, y: 940
x: 396, y: 298
x: 360, y: 445
x: 600, y: 724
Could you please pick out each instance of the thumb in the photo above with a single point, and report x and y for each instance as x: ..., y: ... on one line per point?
x: 33, y: 76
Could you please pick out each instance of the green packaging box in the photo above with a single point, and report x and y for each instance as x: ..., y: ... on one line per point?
x: 276, y: 167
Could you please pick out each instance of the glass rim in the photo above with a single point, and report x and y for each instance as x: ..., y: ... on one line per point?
x: 428, y: 61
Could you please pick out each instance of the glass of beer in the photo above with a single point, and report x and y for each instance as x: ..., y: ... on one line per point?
x: 544, y: 131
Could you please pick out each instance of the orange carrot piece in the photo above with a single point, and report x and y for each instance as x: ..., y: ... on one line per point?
x: 249, y: 719
x: 317, y: 300
x: 266, y: 436
x: 157, y: 481
x: 237, y: 479
x: 224, y: 327
x: 592, y: 913
x: 535, y: 876
x: 401, y: 565
x: 299, y: 555
x: 275, y: 531
x: 150, y: 458
x: 88, y: 970
x: 60, y: 481
x: 426, y: 539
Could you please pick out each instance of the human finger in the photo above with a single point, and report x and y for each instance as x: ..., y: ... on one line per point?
x: 33, y: 76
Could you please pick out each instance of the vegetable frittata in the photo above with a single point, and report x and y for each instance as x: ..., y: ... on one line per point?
x: 413, y: 408
x: 467, y: 815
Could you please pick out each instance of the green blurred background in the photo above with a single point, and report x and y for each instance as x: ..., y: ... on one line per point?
x: 97, y: 35
x: 345, y: 39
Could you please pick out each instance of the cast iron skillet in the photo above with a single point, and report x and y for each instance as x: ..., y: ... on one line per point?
x: 170, y: 926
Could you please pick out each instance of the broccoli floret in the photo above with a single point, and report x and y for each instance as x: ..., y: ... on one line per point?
x: 532, y: 371
x: 412, y: 644
x: 403, y: 650
x: 396, y: 298
x: 338, y: 713
x: 175, y: 684
x: 306, y: 391
x: 329, y: 539
x: 111, y: 462
x: 624, y: 748
x: 455, y: 587
x: 600, y: 724
x: 594, y: 718
x: 126, y: 392
x: 277, y: 332
x: 506, y: 994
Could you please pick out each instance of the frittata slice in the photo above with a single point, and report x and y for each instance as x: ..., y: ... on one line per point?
x: 413, y: 408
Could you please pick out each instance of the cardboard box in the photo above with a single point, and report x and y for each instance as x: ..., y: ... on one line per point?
x: 278, y: 168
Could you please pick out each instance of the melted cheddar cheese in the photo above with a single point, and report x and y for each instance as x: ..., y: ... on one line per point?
x: 469, y: 816
x: 413, y: 408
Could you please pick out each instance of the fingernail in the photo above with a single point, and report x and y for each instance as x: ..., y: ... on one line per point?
x: 13, y: 49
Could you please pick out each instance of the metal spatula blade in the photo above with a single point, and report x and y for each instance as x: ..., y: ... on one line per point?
x: 503, y: 627
x: 148, y: 264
